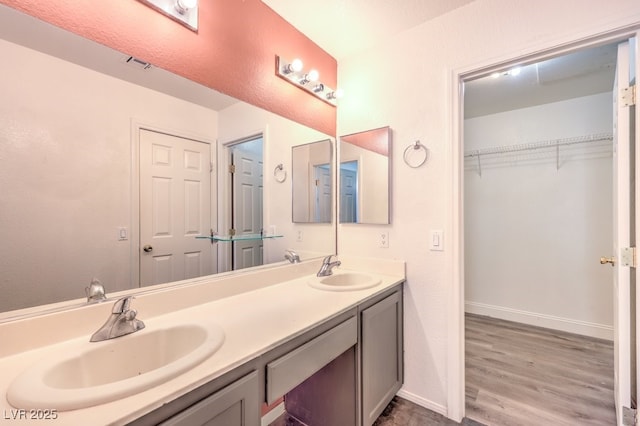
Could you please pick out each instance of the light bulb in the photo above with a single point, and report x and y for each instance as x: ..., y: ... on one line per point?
x: 515, y: 71
x: 182, y: 6
x: 313, y: 75
x: 495, y: 75
x: 336, y: 94
x: 294, y: 66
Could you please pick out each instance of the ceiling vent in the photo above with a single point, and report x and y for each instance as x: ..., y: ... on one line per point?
x: 137, y: 63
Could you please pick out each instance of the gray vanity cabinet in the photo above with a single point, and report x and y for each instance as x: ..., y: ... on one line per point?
x: 381, y: 355
x: 343, y: 371
x: 234, y: 405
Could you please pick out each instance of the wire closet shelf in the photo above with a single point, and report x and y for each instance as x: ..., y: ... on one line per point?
x: 601, y: 143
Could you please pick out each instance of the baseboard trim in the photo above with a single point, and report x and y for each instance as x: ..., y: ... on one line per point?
x: 584, y: 328
x: 440, y: 409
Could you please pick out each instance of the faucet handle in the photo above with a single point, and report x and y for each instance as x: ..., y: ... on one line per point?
x: 122, y: 305
x: 327, y: 259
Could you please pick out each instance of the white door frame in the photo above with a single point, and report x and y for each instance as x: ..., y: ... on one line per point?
x: 134, y: 233
x: 456, y: 341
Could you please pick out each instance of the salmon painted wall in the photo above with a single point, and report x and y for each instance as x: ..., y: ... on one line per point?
x: 233, y: 51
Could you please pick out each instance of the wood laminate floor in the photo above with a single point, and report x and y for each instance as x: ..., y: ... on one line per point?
x: 399, y: 412
x: 519, y: 375
x: 522, y: 375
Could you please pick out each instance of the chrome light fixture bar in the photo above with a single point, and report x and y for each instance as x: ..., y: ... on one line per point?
x: 293, y: 71
x: 183, y: 11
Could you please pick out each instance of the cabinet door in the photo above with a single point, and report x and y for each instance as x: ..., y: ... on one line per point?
x: 234, y: 405
x: 381, y: 355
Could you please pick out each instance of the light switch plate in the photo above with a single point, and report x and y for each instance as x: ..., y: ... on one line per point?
x: 436, y: 240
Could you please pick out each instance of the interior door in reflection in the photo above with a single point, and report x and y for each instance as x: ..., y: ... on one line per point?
x: 246, y: 198
x: 322, y: 199
x: 175, y: 207
x: 349, y: 192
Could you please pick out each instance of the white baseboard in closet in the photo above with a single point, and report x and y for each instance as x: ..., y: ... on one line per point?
x: 600, y: 331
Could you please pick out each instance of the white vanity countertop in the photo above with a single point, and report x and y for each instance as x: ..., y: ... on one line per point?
x: 254, y: 321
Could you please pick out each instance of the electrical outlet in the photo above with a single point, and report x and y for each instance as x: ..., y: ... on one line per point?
x: 300, y: 237
x: 384, y: 240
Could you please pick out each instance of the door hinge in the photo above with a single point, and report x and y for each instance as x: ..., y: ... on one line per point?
x: 628, y: 96
x: 317, y: 182
x: 211, y: 167
x: 628, y: 257
x: 232, y: 168
x: 232, y: 232
x: 629, y: 416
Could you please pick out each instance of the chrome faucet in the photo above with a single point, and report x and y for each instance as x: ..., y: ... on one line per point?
x: 95, y: 291
x: 327, y: 266
x: 121, y: 322
x: 292, y: 256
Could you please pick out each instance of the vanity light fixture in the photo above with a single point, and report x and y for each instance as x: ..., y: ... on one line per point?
x: 293, y: 72
x: 183, y: 11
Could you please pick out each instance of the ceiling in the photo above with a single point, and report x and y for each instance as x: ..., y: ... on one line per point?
x: 581, y: 73
x: 344, y: 27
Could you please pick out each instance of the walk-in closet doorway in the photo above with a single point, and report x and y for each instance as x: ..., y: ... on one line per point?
x: 538, y: 214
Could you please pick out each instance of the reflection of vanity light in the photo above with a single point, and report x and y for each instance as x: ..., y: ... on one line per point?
x: 294, y: 73
x: 183, y: 11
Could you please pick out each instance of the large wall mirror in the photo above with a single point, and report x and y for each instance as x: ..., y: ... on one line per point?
x: 92, y: 143
x: 364, y: 176
x: 312, y: 182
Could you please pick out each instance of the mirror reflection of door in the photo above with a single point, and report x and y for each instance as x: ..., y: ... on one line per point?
x: 349, y: 192
x: 322, y: 199
x: 175, y: 207
x: 246, y: 203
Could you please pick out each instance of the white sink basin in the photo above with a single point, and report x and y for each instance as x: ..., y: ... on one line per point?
x: 100, y: 372
x: 344, y: 281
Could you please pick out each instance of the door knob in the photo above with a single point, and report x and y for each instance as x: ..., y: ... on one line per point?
x: 149, y: 249
x: 611, y: 260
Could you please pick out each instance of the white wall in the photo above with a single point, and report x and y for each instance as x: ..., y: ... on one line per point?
x: 533, y: 233
x: 406, y: 83
x: 280, y: 134
x: 65, y: 179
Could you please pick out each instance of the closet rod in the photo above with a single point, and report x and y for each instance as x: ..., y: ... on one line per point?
x: 553, y: 143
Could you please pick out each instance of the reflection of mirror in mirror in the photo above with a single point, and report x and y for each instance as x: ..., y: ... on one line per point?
x: 72, y: 137
x: 312, y: 182
x: 364, y: 176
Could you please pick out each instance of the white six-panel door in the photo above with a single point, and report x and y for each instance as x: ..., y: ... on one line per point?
x: 175, y: 207
x: 247, y: 206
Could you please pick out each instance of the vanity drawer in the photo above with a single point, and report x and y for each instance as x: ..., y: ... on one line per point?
x: 288, y: 371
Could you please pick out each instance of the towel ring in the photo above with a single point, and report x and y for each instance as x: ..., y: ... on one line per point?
x: 280, y: 173
x: 416, y: 155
